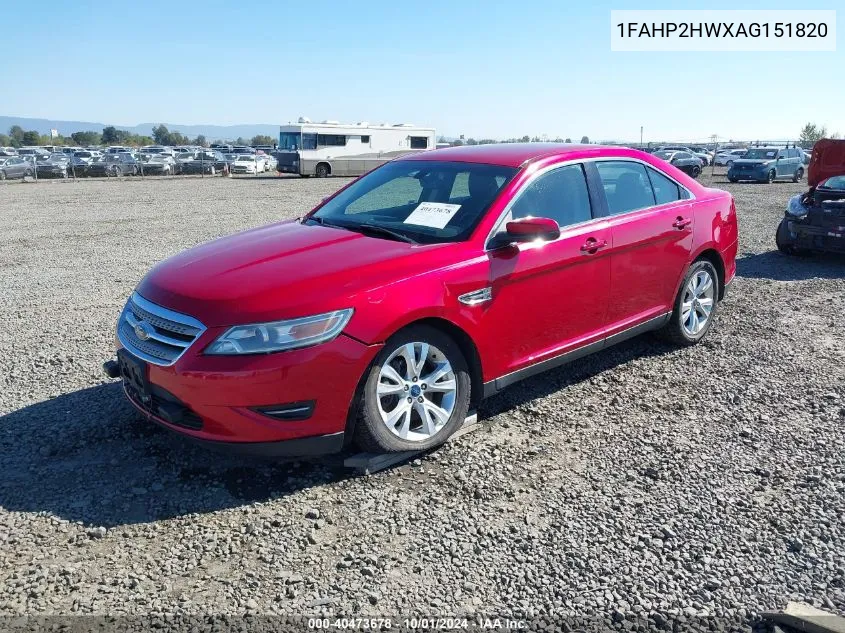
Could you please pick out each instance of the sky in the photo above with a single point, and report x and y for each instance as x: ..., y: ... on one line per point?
x: 484, y: 69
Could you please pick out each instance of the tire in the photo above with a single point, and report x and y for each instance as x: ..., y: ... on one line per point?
x: 681, y: 329
x: 134, y: 170
x: 782, y: 242
x: 733, y: 179
x: 323, y: 170
x: 770, y: 177
x: 799, y: 174
x: 211, y: 170
x: 388, y: 422
x: 2, y: 175
x: 729, y: 163
x: 27, y: 173
x: 116, y: 171
x: 696, y: 171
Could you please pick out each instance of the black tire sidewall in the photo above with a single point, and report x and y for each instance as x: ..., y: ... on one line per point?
x: 677, y: 325
x: 371, y: 432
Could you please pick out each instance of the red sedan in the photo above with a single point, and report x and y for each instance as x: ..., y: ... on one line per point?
x: 382, y: 316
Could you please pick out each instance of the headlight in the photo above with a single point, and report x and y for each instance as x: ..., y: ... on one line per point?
x: 277, y: 336
x: 795, y: 208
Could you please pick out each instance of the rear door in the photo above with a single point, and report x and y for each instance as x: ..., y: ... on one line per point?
x: 549, y: 298
x: 651, y: 224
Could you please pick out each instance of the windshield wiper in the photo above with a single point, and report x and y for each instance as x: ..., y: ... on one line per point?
x: 380, y: 230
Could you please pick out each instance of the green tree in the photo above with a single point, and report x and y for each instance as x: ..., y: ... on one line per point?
x: 585, y: 140
x: 241, y: 141
x: 16, y: 132
x: 261, y: 139
x: 86, y: 138
x: 161, y: 134
x: 200, y: 140
x: 568, y: 140
x: 5, y: 140
x: 30, y: 137
x: 109, y: 136
x: 811, y: 133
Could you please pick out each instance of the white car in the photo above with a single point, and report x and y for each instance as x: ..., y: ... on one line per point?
x: 246, y: 164
x: 729, y: 156
x: 272, y: 163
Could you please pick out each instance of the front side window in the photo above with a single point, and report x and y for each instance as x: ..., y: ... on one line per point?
x: 626, y: 186
x: 560, y: 194
x: 423, y: 201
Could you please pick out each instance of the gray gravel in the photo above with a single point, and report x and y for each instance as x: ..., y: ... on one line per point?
x: 646, y: 480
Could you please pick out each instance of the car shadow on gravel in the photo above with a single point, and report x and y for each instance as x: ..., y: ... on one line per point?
x: 87, y: 456
x: 776, y: 266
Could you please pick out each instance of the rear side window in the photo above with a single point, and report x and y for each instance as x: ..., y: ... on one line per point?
x: 665, y: 189
x: 560, y: 194
x: 626, y: 186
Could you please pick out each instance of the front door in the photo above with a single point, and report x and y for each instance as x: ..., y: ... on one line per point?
x: 548, y: 298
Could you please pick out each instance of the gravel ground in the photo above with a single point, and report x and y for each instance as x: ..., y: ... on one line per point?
x: 645, y: 480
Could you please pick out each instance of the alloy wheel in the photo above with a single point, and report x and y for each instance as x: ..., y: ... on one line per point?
x: 698, y: 302
x: 416, y: 392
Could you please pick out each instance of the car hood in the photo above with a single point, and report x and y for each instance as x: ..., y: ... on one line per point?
x: 283, y: 270
x: 828, y: 160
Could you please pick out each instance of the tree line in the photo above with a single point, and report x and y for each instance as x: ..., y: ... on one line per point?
x: 110, y: 135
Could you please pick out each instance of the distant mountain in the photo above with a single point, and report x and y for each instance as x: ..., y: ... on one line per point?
x: 211, y: 132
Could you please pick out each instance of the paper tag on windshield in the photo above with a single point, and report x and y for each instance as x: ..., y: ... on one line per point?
x: 433, y: 214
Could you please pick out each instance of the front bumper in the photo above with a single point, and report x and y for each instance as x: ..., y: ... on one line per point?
x: 811, y: 237
x: 215, y: 399
x: 747, y: 174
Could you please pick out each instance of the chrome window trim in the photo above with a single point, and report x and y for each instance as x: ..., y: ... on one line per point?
x: 164, y: 313
x: 592, y: 159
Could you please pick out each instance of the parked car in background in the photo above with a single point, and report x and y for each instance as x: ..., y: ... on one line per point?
x: 400, y: 301
x: 206, y: 162
x: 244, y: 164
x: 815, y: 220
x: 805, y: 155
x: 702, y: 156
x: 727, y: 157
x: 684, y: 161
x: 8, y: 151
x: 14, y: 167
x: 767, y: 164
x: 32, y: 151
x: 117, y: 149
x: 114, y: 164
x: 53, y: 166
x: 159, y: 165
x: 271, y: 162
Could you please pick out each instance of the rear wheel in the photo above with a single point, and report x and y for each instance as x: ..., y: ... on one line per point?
x: 695, y: 305
x: 696, y: 171
x: 799, y: 174
x: 2, y: 175
x: 770, y: 177
x: 416, y: 394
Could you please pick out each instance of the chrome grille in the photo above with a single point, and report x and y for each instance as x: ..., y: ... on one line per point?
x: 156, y: 334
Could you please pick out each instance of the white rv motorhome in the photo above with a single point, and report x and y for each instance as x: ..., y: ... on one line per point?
x: 333, y: 149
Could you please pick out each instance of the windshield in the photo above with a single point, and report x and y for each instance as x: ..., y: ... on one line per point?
x: 664, y: 155
x: 289, y: 141
x: 760, y: 153
x: 427, y: 201
x: 246, y: 158
x: 834, y: 182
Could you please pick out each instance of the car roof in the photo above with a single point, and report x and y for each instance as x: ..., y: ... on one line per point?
x: 517, y: 154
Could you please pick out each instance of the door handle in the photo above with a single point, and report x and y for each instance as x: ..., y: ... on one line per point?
x: 592, y: 245
x: 682, y: 223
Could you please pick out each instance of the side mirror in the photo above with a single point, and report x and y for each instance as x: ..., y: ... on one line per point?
x: 527, y: 230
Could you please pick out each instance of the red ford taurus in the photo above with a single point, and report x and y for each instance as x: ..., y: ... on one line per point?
x: 382, y: 316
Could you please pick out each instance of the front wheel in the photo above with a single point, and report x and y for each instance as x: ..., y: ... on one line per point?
x: 2, y: 175
x: 770, y: 177
x: 696, y: 171
x: 695, y: 305
x: 416, y: 393
x: 799, y: 174
x: 322, y: 170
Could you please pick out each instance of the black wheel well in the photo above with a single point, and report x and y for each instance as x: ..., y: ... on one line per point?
x: 468, y: 349
x: 322, y: 162
x: 712, y: 256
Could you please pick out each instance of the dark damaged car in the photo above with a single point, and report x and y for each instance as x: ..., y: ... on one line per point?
x: 815, y: 220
